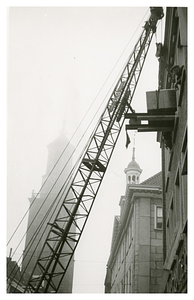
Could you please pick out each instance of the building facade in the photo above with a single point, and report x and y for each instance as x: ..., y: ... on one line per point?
x: 135, y: 263
x: 173, y: 76
x: 43, y: 209
x: 167, y: 115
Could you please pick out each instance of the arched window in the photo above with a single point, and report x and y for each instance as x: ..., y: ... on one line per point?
x: 129, y: 178
x: 133, y: 178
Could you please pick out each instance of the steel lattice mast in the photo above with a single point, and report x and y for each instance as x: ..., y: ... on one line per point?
x: 62, y: 238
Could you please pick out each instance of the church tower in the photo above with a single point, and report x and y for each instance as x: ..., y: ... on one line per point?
x: 133, y: 170
x: 44, y: 206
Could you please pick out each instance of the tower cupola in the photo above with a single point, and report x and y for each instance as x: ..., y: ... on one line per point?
x: 133, y: 171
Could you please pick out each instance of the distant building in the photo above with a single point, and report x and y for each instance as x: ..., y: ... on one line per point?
x: 135, y: 264
x: 43, y: 207
x: 173, y: 77
x: 13, y: 277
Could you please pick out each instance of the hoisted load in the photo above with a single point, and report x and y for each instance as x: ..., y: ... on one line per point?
x: 157, y: 13
x: 164, y: 99
x: 159, y: 50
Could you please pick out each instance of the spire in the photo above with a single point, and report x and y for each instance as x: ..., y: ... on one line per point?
x: 133, y: 156
x: 133, y: 170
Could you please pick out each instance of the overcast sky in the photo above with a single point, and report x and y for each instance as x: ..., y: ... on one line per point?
x: 60, y: 61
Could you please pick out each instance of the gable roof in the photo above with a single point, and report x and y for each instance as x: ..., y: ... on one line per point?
x: 155, y: 180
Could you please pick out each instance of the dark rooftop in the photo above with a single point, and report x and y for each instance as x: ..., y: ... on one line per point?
x: 155, y: 180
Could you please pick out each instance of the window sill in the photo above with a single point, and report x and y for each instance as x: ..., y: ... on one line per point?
x: 158, y: 229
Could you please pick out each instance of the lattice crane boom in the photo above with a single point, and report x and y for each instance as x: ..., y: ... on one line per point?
x: 67, y: 227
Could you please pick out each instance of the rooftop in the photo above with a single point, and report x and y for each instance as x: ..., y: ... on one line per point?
x: 155, y: 180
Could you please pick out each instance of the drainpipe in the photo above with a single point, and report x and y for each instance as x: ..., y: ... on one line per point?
x: 125, y: 251
x: 164, y: 199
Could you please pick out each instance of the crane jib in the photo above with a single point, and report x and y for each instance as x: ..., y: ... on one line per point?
x: 69, y: 222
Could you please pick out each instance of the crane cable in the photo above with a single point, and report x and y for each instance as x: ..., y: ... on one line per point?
x: 48, y: 211
x: 68, y: 145
x: 74, y: 134
x: 41, y: 223
x: 76, y: 131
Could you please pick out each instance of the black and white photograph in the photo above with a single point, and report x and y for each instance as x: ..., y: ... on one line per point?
x: 96, y: 148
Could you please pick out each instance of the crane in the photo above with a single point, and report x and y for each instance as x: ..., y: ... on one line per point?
x: 67, y: 227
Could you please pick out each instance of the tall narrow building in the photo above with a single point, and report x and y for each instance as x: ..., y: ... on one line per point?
x: 43, y: 208
x: 135, y: 261
x: 173, y: 78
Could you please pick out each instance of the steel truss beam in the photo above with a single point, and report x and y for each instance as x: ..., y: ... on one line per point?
x: 67, y: 227
x: 162, y: 121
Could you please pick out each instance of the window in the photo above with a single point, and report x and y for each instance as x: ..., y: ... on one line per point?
x: 130, y: 233
x: 184, y: 197
x: 132, y: 220
x: 122, y: 287
x: 158, y: 217
x: 130, y: 278
x: 184, y: 154
x: 167, y: 234
x: 177, y: 198
x: 122, y: 252
x: 126, y: 283
x: 172, y: 218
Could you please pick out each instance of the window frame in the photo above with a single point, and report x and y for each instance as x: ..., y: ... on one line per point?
x: 155, y: 217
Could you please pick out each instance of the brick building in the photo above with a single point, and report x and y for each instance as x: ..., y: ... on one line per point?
x: 135, y: 264
x: 173, y: 77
